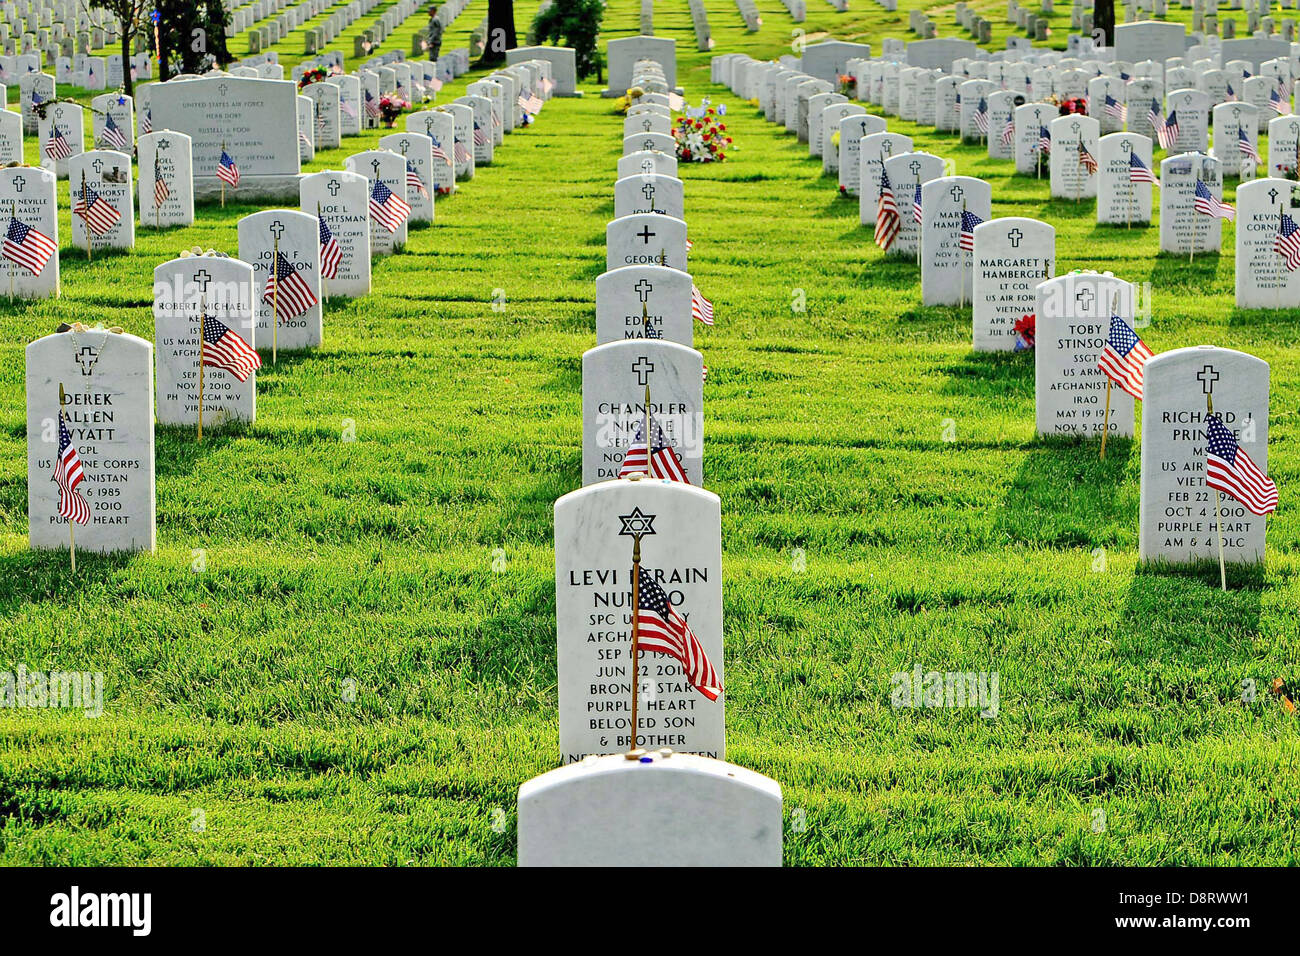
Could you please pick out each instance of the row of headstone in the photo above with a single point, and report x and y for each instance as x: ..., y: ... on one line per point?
x: 639, y: 738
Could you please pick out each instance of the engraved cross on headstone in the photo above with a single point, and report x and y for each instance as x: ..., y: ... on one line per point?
x: 1015, y: 235
x: 1084, y: 297
x: 648, y: 190
x: 643, y: 367
x: 201, y: 278
x: 277, y: 229
x: 643, y: 289
x: 86, y: 359
x: 1207, y: 377
x: 957, y: 193
x: 645, y: 234
x: 334, y: 187
x: 374, y: 164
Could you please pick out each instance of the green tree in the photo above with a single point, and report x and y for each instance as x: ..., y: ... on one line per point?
x: 574, y: 23
x: 190, y: 33
x: 130, y: 14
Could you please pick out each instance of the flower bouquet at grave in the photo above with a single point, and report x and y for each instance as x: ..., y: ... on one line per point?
x: 1024, y: 329
x: 1070, y: 104
x: 314, y: 75
x: 391, y: 107
x: 848, y: 84
x: 703, y: 138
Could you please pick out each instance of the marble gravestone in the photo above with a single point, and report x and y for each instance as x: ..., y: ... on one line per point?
x: 255, y: 120
x: 660, y: 142
x: 389, y: 168
x: 1191, y: 109
x: 297, y: 237
x: 305, y: 108
x: 905, y: 172
x: 1177, y: 512
x: 1029, y: 120
x: 350, y: 108
x: 34, y: 88
x: 61, y: 130
x: 440, y: 127
x: 326, y: 114
x: 849, y: 122
x: 1070, y: 177
x: 29, y: 194
x: 1229, y: 118
x: 1120, y: 201
x: 165, y: 156
x: 946, y: 274
x: 183, y: 289
x: 483, y: 147
x: 1012, y: 256
x: 463, y: 139
x: 1182, y: 229
x: 668, y: 810
x: 681, y: 550
x: 11, y: 138
x: 107, y: 378
x: 645, y: 239
x: 852, y: 132
x: 873, y: 151
x: 107, y: 173
x: 1073, y: 323
x: 649, y: 193
x: 647, y: 161
x: 417, y: 150
x: 1283, y: 145
x: 626, y: 298
x: 1262, y: 278
x: 342, y: 199
x: 122, y: 111
x: 614, y: 379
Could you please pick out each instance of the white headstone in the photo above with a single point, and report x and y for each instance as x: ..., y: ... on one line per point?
x: 296, y: 235
x: 1182, y: 229
x: 417, y: 150
x: 165, y: 156
x: 946, y: 274
x: 1012, y: 256
x: 28, y: 194
x: 1263, y: 279
x: 342, y: 200
x: 104, y: 173
x: 389, y: 168
x: 645, y: 239
x: 626, y: 298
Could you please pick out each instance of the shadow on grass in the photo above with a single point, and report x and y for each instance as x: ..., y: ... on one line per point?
x: 989, y: 375
x: 40, y: 577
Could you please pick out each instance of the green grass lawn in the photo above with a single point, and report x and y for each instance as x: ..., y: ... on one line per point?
x: 370, y: 564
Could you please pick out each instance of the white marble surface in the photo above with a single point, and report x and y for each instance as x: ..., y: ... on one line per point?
x: 1012, y: 255
x: 946, y: 274
x: 299, y: 242
x: 665, y: 294
x: 342, y: 200
x: 29, y: 194
x: 645, y: 239
x: 172, y: 152
x: 1262, y: 278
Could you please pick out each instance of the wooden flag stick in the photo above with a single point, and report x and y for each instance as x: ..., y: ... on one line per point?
x: 1218, y: 521
x: 222, y: 181
x: 323, y: 294
x: 203, y: 310
x: 13, y: 212
x: 275, y: 303
x: 962, y: 253
x: 633, y: 751
x: 72, y: 538
x: 1105, y: 421
x: 649, y: 461
x: 86, y: 218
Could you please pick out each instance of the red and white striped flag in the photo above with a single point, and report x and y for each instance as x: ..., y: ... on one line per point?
x: 701, y: 308
x: 223, y: 349
x: 1231, y: 470
x: 413, y: 180
x: 1124, y: 357
x: 330, y: 253
x: 386, y: 208
x: 57, y: 146
x: 68, y: 474
x: 98, y: 212
x: 288, y: 290
x: 663, y: 462
x: 661, y: 630
x: 28, y: 247
x: 888, y: 222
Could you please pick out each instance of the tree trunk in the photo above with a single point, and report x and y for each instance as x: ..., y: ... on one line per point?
x: 1103, y: 19
x: 128, y: 84
x: 501, y: 32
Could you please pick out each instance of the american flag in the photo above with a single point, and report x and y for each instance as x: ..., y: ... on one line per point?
x: 1009, y: 131
x: 968, y: 223
x: 1138, y: 171
x: 330, y: 253
x: 916, y: 205
x: 1086, y: 159
x: 1231, y: 470
x: 57, y: 146
x: 1287, y: 243
x: 387, y: 208
x: 1279, y: 101
x: 160, y: 190
x: 1208, y: 205
x: 981, y: 116
x: 372, y: 105
x: 304, y: 139
x: 661, y: 630
x: 1246, y: 147
x: 438, y: 152
x: 887, y: 219
x: 690, y: 244
x: 1044, y: 140
x: 68, y: 475
x: 28, y: 247
x: 413, y: 180
x: 1167, y: 131
x: 701, y: 308
x: 463, y: 155
x: 290, y: 292
x: 496, y: 120
x: 97, y: 211
x: 37, y: 99
x: 1124, y: 357
x: 1116, y: 109
x: 227, y: 171
x: 1232, y: 94
x: 663, y: 463
x: 112, y: 133
x: 480, y: 137
x: 435, y: 84
x: 223, y: 349
x: 146, y: 121
x: 348, y: 109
